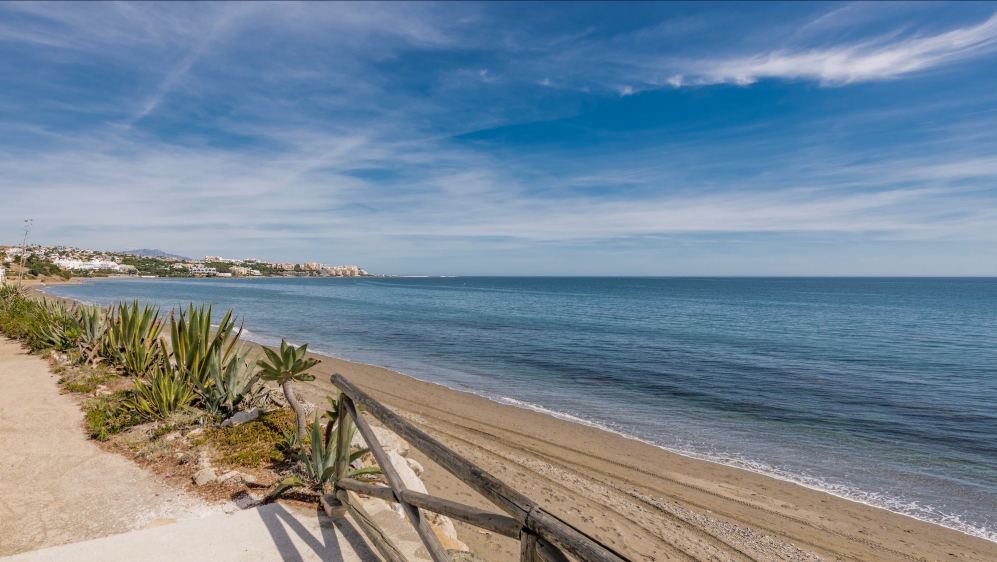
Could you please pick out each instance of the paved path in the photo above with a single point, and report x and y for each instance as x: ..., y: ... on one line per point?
x: 56, y: 486
x: 268, y: 533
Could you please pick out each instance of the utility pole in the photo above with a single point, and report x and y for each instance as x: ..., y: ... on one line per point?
x: 24, y: 248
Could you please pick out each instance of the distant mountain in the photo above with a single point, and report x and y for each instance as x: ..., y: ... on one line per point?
x: 147, y: 253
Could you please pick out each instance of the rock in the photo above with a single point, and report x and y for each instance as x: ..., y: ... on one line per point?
x: 357, y: 464
x: 444, y: 529
x: 242, y: 417
x: 236, y: 478
x: 204, y: 476
x: 388, y: 440
x: 415, y: 466
x: 408, y: 476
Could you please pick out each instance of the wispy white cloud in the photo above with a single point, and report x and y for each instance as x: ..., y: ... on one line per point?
x: 321, y: 127
x: 878, y: 59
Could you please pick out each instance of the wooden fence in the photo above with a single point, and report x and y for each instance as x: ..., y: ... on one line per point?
x: 543, y: 536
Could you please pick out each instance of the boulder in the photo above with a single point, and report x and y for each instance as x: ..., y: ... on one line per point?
x: 388, y: 440
x: 242, y: 417
x: 408, y: 476
x: 236, y: 478
x: 415, y: 466
x: 204, y: 476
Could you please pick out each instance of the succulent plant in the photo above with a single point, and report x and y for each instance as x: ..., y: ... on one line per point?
x: 230, y: 385
x: 133, y: 337
x: 166, y: 391
x: 319, y: 459
x: 285, y: 367
x: 195, y: 345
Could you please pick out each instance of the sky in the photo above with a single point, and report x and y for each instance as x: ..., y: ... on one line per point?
x: 509, y: 138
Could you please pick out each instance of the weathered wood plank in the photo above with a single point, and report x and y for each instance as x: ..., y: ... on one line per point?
x: 426, y: 533
x: 494, y: 522
x: 550, y: 553
x: 507, y: 499
x: 570, y: 539
x: 528, y: 547
x: 382, y: 543
x: 342, y: 443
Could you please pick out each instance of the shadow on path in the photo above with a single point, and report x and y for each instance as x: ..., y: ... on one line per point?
x: 278, y: 521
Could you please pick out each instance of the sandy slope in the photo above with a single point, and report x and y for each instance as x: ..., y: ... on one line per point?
x: 56, y: 487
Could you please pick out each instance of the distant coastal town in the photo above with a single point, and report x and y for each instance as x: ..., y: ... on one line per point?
x: 41, y: 262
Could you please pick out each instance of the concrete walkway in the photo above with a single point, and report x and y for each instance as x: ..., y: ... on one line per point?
x: 268, y: 533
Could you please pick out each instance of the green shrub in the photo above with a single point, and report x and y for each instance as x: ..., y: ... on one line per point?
x: 20, y: 317
x: 254, y: 443
x: 84, y: 380
x: 106, y: 415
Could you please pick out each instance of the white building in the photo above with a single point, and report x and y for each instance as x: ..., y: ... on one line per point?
x: 92, y: 265
x: 203, y: 270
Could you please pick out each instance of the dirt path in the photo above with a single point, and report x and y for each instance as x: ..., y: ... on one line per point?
x: 56, y: 487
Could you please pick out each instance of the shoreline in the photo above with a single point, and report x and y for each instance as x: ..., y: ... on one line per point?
x: 570, y: 418
x: 673, y: 476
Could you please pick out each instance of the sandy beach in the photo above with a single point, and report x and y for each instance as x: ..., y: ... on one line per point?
x: 648, y: 502
x: 645, y: 501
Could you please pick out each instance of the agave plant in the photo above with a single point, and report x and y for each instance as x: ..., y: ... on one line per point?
x: 285, y: 367
x: 133, y: 336
x: 195, y: 345
x: 230, y: 385
x: 166, y: 392
x: 93, y: 329
x: 319, y: 460
x: 57, y: 326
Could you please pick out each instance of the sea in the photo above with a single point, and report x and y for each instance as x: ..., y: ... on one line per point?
x: 879, y: 390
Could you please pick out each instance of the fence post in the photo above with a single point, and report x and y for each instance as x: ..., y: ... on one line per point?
x: 527, y: 546
x: 332, y: 504
x: 342, y: 441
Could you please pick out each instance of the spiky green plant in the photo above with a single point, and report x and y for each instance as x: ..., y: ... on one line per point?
x: 93, y: 329
x: 166, y: 392
x: 57, y: 326
x: 230, y: 386
x: 194, y: 344
x: 319, y: 459
x: 285, y: 367
x: 133, y: 337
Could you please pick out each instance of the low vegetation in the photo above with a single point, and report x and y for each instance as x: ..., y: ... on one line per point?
x: 160, y: 386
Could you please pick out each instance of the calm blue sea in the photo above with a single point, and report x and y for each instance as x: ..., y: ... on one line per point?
x: 883, y: 391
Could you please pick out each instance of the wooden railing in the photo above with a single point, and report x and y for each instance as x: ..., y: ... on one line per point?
x: 543, y: 536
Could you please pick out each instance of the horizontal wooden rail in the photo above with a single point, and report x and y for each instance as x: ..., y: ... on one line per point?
x: 548, y: 531
x: 501, y: 524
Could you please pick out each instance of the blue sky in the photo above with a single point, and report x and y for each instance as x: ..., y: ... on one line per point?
x: 509, y: 138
